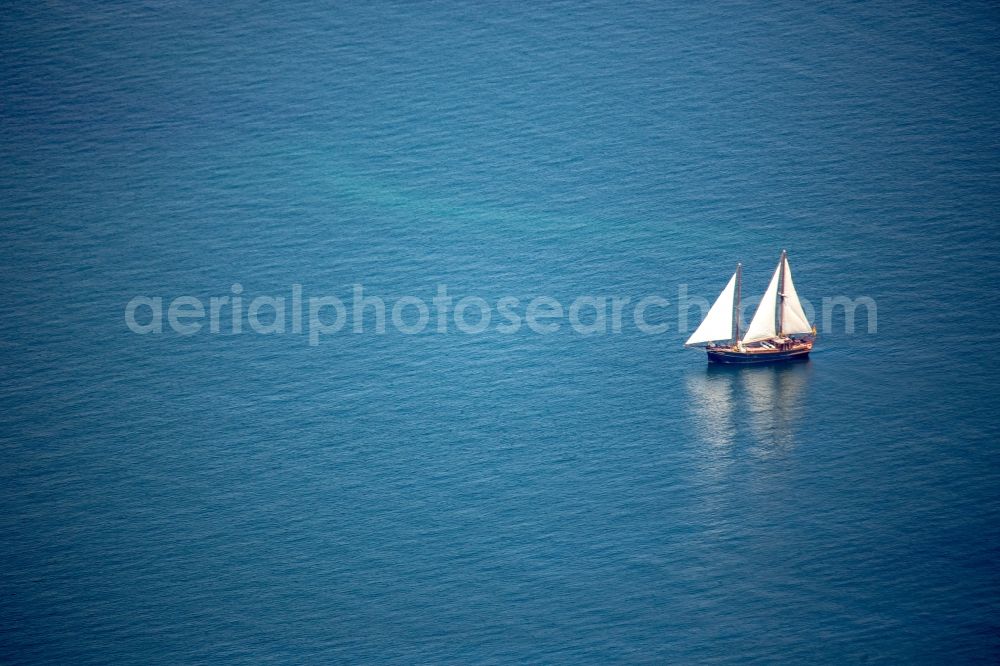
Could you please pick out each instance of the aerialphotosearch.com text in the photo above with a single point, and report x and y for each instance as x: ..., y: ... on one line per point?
x: 323, y: 316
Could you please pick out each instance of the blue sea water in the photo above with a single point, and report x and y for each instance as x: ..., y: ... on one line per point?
x: 452, y: 498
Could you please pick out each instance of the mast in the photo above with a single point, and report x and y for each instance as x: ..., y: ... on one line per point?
x: 739, y: 295
x: 781, y: 292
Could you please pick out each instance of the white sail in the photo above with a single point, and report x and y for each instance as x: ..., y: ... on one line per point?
x: 718, y: 323
x: 793, y: 319
x: 762, y: 325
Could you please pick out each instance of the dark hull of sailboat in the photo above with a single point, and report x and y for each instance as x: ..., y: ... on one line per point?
x: 732, y: 357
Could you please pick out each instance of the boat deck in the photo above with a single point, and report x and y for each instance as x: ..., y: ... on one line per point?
x: 768, y: 351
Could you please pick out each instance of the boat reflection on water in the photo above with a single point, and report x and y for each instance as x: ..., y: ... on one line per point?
x: 711, y: 402
x: 768, y: 400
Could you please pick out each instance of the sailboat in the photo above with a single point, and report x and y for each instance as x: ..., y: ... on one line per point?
x: 778, y: 332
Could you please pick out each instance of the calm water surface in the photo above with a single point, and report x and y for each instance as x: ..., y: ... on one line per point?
x: 449, y: 498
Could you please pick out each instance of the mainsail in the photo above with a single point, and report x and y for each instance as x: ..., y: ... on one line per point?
x: 793, y: 319
x: 762, y: 325
x: 718, y: 324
